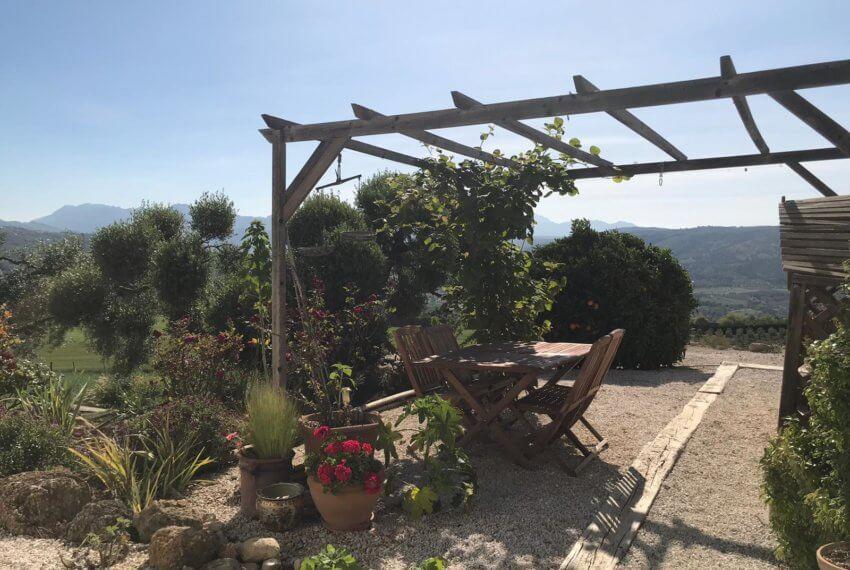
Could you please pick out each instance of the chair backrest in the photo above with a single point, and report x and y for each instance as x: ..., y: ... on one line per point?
x: 593, y: 371
x: 413, y: 345
x: 442, y: 339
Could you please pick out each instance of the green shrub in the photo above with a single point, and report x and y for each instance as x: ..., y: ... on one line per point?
x: 615, y: 280
x: 345, y: 265
x: 331, y: 558
x: 56, y: 403
x: 132, y: 396
x: 807, y: 467
x: 29, y: 444
x: 202, y: 419
x: 190, y: 362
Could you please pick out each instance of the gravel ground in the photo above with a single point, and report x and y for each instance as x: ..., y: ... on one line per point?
x: 520, y: 519
x: 708, y: 513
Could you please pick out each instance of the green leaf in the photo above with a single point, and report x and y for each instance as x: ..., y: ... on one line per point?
x: 419, y: 501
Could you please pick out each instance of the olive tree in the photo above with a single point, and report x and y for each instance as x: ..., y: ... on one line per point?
x: 150, y: 267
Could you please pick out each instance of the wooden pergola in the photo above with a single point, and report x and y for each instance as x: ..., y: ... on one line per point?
x: 780, y: 84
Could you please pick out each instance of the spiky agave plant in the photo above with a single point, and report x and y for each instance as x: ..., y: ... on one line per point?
x: 272, y: 420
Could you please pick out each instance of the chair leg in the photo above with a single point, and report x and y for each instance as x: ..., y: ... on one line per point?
x: 591, y: 429
x: 589, y: 454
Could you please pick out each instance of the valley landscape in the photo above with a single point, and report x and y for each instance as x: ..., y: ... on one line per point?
x: 732, y: 268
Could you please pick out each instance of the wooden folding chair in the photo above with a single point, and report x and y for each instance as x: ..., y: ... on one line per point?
x: 414, y: 342
x: 566, y: 405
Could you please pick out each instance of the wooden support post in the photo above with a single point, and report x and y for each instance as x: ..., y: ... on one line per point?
x: 790, y: 394
x: 278, y: 223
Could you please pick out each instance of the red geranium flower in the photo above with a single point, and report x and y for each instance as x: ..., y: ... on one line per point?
x: 351, y: 446
x: 342, y: 472
x: 366, y: 448
x: 332, y: 448
x: 325, y: 473
x: 232, y: 436
x: 372, y: 483
x: 321, y: 432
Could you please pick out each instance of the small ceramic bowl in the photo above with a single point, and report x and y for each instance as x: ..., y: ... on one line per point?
x: 279, y: 506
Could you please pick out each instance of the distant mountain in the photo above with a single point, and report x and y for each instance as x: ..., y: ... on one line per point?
x: 87, y: 218
x: 546, y: 228
x: 733, y: 268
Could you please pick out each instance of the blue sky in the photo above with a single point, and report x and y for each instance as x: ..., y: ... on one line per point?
x: 119, y: 102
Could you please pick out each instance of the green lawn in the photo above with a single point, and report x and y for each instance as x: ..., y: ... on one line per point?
x: 74, y: 359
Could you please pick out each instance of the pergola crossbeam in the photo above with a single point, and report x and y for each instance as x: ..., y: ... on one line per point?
x: 704, y: 89
x: 809, y: 177
x: 431, y: 139
x: 276, y: 123
x: 727, y: 70
x: 632, y: 122
x: 310, y: 174
x: 714, y: 163
x: 466, y: 102
x: 814, y: 117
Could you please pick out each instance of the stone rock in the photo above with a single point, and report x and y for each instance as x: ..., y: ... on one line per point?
x: 250, y: 566
x: 272, y: 564
x: 222, y: 564
x: 259, y: 549
x: 174, y: 547
x: 94, y: 518
x: 229, y: 550
x: 41, y: 503
x: 161, y: 514
x: 759, y: 347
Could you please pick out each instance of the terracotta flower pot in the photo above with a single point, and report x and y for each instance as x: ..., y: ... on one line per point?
x: 255, y: 474
x: 350, y: 509
x: 826, y: 556
x: 366, y: 432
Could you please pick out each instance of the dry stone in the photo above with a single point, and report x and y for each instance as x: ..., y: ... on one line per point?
x: 94, y: 518
x: 174, y: 547
x: 41, y: 503
x: 161, y: 514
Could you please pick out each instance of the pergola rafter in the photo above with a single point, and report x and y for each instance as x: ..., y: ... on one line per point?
x: 780, y: 84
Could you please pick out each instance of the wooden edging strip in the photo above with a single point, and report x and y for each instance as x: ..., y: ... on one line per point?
x: 607, y: 538
x: 755, y: 366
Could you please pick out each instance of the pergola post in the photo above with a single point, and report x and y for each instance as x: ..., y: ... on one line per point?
x: 278, y: 260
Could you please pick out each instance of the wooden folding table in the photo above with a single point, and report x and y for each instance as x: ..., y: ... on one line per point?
x: 525, y: 360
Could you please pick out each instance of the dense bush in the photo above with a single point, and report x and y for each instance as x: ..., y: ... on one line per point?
x: 17, y: 372
x: 204, y: 420
x: 615, y: 280
x: 192, y: 363
x: 345, y: 264
x: 28, y: 444
x: 415, y: 268
x: 130, y: 395
x: 807, y: 467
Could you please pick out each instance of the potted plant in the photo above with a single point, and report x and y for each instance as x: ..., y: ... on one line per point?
x: 265, y: 455
x: 345, y: 480
x: 834, y: 556
x: 335, y: 412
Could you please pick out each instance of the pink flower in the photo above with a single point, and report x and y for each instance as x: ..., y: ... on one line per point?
x: 325, y: 473
x: 351, y: 446
x: 372, y: 483
x: 222, y: 337
x: 332, y: 448
x: 342, y: 472
x: 190, y: 339
x: 321, y: 432
x: 366, y: 448
x: 219, y: 374
x: 231, y: 436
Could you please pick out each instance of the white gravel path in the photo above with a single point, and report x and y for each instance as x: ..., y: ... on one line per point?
x: 520, y: 519
x: 708, y: 513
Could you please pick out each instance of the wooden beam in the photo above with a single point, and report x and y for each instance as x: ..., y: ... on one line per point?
x: 815, y: 118
x: 632, y: 122
x: 790, y: 393
x: 362, y: 112
x: 705, y: 89
x: 727, y: 70
x: 278, y: 229
x: 276, y: 123
x: 466, y: 102
x: 310, y: 173
x: 712, y: 163
x: 809, y: 177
